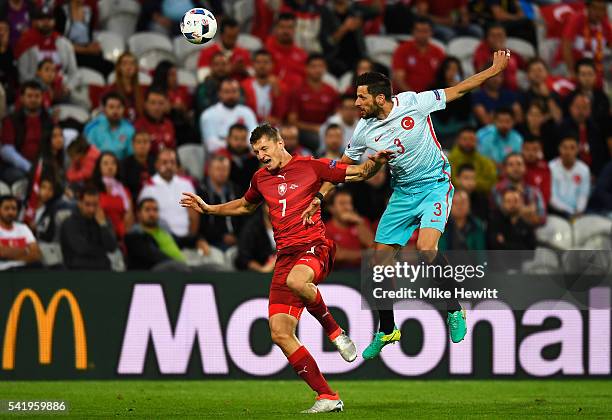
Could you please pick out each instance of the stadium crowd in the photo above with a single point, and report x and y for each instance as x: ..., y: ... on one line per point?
x: 102, y: 191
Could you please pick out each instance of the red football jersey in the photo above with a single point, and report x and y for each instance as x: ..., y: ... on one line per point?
x: 289, y: 191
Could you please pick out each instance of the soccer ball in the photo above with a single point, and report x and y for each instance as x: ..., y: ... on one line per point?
x: 199, y: 26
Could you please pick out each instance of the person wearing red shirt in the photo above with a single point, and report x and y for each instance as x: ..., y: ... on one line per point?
x: 494, y: 41
x: 239, y: 58
x: 289, y: 59
x: 305, y: 255
x: 585, y: 36
x: 449, y: 18
x: 416, y: 61
x: 312, y: 102
x: 156, y: 123
x: 538, y: 173
x: 22, y: 134
x: 265, y: 93
x: 351, y: 232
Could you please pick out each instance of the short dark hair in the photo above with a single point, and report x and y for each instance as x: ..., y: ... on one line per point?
x: 338, y: 192
x: 532, y: 140
x: 141, y: 133
x: 8, y: 197
x: 228, y: 22
x: 332, y: 126
x: 264, y: 130
x: 494, y: 25
x: 237, y: 126
x: 504, y: 110
x: 42, y: 62
x: 423, y: 20
x: 536, y: 60
x: 87, y: 189
x: 113, y: 95
x: 511, y: 155
x: 584, y: 62
x: 465, y: 128
x: 78, y: 146
x: 465, y: 167
x: 377, y: 84
x: 30, y: 84
x: 225, y: 80
x: 286, y: 16
x: 155, y: 91
x: 347, y: 97
x: 568, y: 137
x: 144, y: 201
x: 315, y: 56
x: 261, y: 51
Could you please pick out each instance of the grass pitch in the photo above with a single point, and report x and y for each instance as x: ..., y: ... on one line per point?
x: 392, y: 399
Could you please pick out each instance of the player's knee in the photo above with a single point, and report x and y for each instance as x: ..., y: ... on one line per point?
x: 279, y: 336
x: 299, y: 278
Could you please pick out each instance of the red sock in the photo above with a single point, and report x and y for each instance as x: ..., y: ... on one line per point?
x: 319, y: 310
x: 307, y: 369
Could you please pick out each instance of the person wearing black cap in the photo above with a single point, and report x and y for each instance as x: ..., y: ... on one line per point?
x: 43, y: 41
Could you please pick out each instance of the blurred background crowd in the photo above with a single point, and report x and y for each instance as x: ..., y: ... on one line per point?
x: 108, y: 114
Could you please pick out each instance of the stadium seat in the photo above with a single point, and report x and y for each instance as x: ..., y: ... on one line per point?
x: 556, y: 233
x: 143, y: 78
x: 142, y: 42
x: 345, y: 81
x: 78, y: 113
x: 591, y: 230
x: 116, y: 260
x: 249, y: 42
x: 19, y: 189
x: 150, y: 59
x: 183, y: 49
x: 190, y: 62
x: 4, y: 189
x: 462, y: 47
x: 468, y: 66
x: 244, y: 11
x: 522, y: 80
x: 186, y: 78
x: 331, y: 80
x: 545, y: 261
x: 522, y: 47
x: 120, y: 16
x: 86, y: 77
x: 192, y: 160
x: 547, y: 49
x: 112, y: 45
x: 51, y: 253
x: 123, y: 24
x: 381, y: 48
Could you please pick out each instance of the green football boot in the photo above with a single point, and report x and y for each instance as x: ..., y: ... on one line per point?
x: 456, y: 325
x: 381, y: 340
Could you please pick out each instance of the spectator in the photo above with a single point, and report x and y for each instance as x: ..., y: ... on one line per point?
x: 238, y: 57
x: 85, y: 236
x: 507, y: 230
x: 496, y: 40
x: 539, y: 125
x: 491, y: 97
x: 308, y: 17
x: 510, y: 14
x: 464, y: 152
x: 22, y: 133
x: 114, y: 199
x: 289, y: 59
x: 312, y: 102
x: 333, y: 142
x: 8, y: 71
x: 18, y: 247
x: 585, y: 35
x: 52, y: 86
x: 137, y: 168
x: 370, y: 197
x: 77, y: 20
x: 207, y: 92
x: 243, y: 162
x: 42, y: 41
x: 217, y: 119
x: 467, y: 181
x: 150, y: 246
x: 155, y: 122
x: 166, y: 188
x: 83, y: 157
x: 265, y: 93
x: 127, y: 84
x: 346, y: 117
x: 110, y: 131
x: 351, y: 232
x: 601, y: 198
x: 450, y: 19
x: 458, y: 113
x: 341, y: 35
x: 364, y: 65
x: 416, y: 61
x: 52, y: 156
x: 219, y: 231
x: 571, y: 181
x: 464, y: 231
x: 540, y: 90
x: 165, y: 79
x: 256, y: 245
x: 290, y: 135
x: 533, y: 209
x: 41, y: 217
x: 497, y: 140
x: 17, y: 14
x: 538, y: 174
x: 592, y: 149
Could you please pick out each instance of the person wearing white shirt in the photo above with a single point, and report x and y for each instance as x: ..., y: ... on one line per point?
x: 18, y: 246
x: 346, y: 117
x: 216, y: 120
x: 571, y: 180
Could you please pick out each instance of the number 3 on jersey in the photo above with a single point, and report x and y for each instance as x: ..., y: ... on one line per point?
x: 400, y: 146
x: 284, y: 203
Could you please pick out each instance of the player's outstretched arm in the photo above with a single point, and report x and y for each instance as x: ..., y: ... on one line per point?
x: 357, y: 173
x: 500, y: 62
x: 238, y: 207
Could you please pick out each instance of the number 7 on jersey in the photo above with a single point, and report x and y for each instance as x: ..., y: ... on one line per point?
x: 284, y: 203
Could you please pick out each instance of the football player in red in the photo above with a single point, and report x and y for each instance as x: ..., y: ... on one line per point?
x: 304, y: 255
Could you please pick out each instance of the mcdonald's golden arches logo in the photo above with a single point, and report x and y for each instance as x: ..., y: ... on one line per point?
x: 45, y: 320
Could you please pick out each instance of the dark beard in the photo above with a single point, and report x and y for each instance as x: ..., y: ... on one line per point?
x: 230, y: 105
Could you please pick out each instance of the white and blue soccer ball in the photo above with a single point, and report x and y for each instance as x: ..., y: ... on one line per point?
x: 199, y: 26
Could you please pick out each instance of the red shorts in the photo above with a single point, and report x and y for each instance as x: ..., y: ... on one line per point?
x: 317, y: 255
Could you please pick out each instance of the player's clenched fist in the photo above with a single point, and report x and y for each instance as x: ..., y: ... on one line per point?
x: 500, y: 60
x: 192, y: 201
